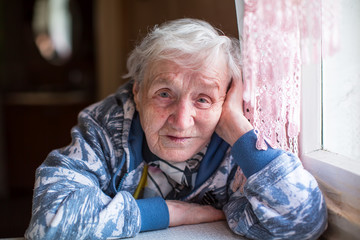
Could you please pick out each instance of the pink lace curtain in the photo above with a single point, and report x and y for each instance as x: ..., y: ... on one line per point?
x: 273, y: 33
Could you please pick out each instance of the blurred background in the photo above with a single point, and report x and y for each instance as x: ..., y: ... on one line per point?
x: 57, y: 57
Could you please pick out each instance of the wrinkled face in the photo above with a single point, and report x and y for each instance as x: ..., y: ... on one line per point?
x: 180, y: 108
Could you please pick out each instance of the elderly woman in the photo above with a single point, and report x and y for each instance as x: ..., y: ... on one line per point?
x: 172, y: 147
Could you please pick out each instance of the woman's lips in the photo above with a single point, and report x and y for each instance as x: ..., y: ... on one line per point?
x: 178, y: 139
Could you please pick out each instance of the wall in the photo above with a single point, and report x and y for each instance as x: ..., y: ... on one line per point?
x: 3, y: 188
x: 121, y: 24
x: 39, y: 102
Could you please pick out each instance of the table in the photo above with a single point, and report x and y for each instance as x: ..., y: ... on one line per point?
x: 205, y: 231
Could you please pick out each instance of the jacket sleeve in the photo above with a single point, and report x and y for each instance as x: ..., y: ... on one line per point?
x: 280, y: 199
x: 70, y: 200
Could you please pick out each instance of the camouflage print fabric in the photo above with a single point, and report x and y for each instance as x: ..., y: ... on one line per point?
x: 84, y: 190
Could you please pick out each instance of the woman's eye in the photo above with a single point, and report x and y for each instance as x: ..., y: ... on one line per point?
x: 164, y: 94
x: 164, y: 97
x: 204, y: 102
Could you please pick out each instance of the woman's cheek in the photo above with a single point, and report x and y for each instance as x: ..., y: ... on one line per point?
x: 155, y: 117
x: 213, y: 114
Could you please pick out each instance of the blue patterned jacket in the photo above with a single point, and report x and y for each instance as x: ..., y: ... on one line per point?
x: 85, y: 190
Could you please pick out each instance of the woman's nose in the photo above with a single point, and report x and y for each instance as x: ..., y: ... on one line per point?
x: 182, y: 116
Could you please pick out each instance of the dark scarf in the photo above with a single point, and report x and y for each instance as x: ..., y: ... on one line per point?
x: 171, y: 180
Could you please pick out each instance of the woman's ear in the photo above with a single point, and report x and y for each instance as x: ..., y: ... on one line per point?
x: 136, y: 92
x: 229, y: 85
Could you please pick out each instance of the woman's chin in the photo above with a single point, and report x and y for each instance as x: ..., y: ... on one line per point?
x: 175, y: 155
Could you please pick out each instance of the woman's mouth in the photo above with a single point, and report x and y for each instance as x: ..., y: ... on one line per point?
x: 178, y: 139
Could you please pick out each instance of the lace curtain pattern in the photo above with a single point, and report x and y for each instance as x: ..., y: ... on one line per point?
x: 274, y: 32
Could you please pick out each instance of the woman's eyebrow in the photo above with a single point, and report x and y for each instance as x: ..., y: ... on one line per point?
x: 211, y: 82
x: 161, y: 80
x: 168, y: 79
x: 163, y: 76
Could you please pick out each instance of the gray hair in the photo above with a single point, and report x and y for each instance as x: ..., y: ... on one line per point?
x: 190, y: 43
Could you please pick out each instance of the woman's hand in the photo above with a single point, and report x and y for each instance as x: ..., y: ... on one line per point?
x: 183, y: 213
x: 233, y: 124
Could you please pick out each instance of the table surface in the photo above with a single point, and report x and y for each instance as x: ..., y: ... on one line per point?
x: 204, y: 231
x: 208, y: 231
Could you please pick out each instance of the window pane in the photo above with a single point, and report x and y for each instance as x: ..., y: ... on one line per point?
x: 341, y: 79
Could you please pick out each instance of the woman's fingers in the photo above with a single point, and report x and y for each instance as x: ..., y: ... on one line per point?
x: 233, y: 124
x: 183, y: 213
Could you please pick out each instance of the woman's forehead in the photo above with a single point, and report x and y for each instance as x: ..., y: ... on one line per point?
x: 217, y: 71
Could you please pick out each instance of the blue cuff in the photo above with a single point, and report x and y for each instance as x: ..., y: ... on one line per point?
x: 154, y: 213
x: 248, y: 157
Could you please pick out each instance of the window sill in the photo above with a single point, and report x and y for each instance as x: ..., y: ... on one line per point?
x: 339, y: 179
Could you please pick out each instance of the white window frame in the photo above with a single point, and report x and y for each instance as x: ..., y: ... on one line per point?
x: 337, y: 175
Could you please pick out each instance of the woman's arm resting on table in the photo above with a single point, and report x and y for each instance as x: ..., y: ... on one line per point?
x: 69, y: 200
x: 280, y: 199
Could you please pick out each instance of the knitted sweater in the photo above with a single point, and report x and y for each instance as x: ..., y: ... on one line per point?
x: 85, y: 190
